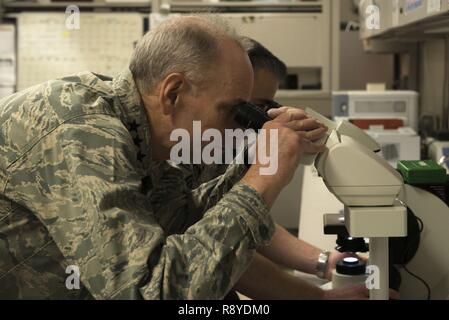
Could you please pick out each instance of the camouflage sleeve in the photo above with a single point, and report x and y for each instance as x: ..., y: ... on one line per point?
x: 206, y: 173
x: 209, y: 183
x: 209, y: 193
x: 82, y: 183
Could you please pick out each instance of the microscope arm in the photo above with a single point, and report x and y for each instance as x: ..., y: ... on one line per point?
x: 351, y: 169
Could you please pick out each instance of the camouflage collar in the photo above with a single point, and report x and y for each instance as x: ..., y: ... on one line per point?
x: 133, y: 115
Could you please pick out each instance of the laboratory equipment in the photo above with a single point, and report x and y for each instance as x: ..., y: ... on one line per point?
x: 379, y: 206
x: 400, y: 144
x: 349, y: 271
x: 368, y: 187
x: 390, y: 117
x: 368, y: 109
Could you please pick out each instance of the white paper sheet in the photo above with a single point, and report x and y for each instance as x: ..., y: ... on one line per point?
x: 47, y: 49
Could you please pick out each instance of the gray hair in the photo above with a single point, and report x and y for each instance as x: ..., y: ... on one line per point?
x: 186, y: 44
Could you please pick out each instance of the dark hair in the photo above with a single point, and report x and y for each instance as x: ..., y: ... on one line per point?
x: 261, y: 57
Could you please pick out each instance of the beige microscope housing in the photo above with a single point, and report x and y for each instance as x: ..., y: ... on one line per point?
x: 368, y: 187
x: 352, y: 170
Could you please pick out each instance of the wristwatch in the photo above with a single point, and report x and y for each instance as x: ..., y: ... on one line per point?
x: 321, y: 266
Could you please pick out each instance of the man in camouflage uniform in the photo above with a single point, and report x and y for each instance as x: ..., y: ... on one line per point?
x: 83, y: 181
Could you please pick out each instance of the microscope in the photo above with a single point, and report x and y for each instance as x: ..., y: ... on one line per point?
x: 368, y: 187
x: 403, y: 217
x: 402, y: 213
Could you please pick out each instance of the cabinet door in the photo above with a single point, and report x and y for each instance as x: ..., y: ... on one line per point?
x: 412, y: 10
x: 299, y: 39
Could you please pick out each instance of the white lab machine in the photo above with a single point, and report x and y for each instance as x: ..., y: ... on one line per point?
x: 371, y: 107
x: 390, y: 117
x: 400, y: 144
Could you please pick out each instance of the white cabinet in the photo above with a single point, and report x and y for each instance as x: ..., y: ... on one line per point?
x: 300, y: 40
x: 404, y: 19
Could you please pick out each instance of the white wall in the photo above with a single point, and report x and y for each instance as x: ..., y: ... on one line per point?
x: 358, y: 68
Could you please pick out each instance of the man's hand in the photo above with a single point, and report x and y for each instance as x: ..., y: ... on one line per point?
x: 358, y: 292
x: 296, y: 136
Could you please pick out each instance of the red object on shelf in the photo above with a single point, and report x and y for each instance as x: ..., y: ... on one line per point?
x: 388, y: 124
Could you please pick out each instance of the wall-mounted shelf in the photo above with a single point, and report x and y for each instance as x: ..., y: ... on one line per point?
x: 407, y: 20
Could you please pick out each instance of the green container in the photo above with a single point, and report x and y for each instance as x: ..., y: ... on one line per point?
x: 422, y: 172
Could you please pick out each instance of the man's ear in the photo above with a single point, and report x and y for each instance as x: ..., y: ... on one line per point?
x: 169, y: 91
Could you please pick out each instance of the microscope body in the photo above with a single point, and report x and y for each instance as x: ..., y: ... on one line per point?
x: 368, y: 187
x: 375, y: 196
